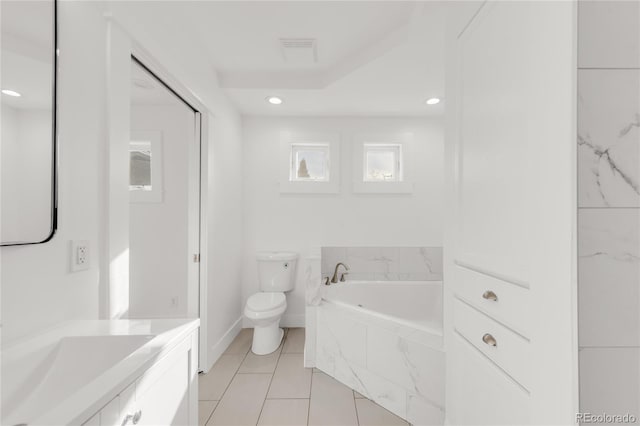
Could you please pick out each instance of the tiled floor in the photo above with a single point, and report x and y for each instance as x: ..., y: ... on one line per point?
x: 276, y: 389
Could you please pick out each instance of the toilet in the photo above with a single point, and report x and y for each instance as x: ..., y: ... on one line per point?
x: 276, y: 274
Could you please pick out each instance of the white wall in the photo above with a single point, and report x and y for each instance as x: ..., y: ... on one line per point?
x: 158, y: 231
x: 38, y: 290
x: 305, y: 222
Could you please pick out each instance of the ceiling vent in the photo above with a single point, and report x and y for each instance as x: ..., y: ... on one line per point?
x: 299, y: 51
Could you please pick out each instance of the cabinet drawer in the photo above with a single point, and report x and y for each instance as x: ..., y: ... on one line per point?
x: 511, y: 304
x: 507, y: 349
x: 480, y: 393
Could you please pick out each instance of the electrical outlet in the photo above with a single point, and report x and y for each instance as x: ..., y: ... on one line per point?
x: 80, y: 255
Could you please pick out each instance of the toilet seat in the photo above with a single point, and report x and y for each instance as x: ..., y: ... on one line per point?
x: 263, y: 302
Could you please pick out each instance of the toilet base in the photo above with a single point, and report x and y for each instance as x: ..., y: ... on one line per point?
x: 266, y: 338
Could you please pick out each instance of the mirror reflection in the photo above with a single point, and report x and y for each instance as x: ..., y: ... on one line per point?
x: 27, y: 150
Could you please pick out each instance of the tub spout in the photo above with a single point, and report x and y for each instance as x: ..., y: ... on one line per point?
x: 334, y: 279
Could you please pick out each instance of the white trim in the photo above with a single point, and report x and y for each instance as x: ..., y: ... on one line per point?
x: 405, y: 186
x: 310, y: 187
x: 216, y: 351
x: 154, y: 137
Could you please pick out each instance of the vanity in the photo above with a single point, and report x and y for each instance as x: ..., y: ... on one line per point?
x: 104, y: 372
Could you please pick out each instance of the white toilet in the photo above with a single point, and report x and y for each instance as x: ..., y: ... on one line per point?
x: 276, y: 274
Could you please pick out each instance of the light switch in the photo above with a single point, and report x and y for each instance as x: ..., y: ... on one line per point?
x: 80, y: 255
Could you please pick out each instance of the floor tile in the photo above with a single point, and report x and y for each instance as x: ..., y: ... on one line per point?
x: 212, y: 385
x: 295, y: 341
x: 371, y: 414
x: 242, y: 343
x: 284, y: 412
x: 332, y: 403
x: 205, y: 408
x: 242, y: 402
x: 260, y: 363
x: 291, y: 379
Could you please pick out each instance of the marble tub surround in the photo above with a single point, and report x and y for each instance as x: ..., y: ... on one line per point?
x: 609, y: 138
x: 385, y: 263
x: 397, y: 365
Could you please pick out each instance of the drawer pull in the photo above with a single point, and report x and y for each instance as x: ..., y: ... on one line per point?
x: 490, y: 295
x: 132, y: 418
x: 489, y: 340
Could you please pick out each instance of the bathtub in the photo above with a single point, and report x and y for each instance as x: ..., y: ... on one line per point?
x: 384, y: 340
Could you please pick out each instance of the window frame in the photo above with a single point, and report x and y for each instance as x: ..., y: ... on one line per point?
x: 309, y: 186
x: 155, y: 195
x: 293, y: 166
x: 363, y: 143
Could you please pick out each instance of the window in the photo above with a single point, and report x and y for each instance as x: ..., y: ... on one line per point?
x: 382, y: 163
x: 145, y: 167
x: 140, y: 166
x: 309, y: 162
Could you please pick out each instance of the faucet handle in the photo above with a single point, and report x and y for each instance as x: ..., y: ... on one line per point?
x: 326, y: 281
x: 342, y: 277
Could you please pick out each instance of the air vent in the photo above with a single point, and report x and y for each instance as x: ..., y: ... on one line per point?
x: 299, y: 51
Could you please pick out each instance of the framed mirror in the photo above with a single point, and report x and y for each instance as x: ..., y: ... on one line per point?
x: 28, y: 164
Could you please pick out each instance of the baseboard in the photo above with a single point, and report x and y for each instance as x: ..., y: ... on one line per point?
x: 216, y: 350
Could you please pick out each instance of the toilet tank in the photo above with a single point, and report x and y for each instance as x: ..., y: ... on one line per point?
x: 276, y: 270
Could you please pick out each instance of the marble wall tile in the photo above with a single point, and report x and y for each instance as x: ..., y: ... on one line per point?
x: 610, y: 380
x: 609, y: 138
x: 609, y: 277
x: 385, y: 263
x: 608, y: 34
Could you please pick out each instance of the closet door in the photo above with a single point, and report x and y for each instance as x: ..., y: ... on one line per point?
x: 511, y: 267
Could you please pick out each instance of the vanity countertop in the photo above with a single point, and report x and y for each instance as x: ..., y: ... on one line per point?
x: 65, y: 374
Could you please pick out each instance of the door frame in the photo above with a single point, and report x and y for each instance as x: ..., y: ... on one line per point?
x: 197, y: 291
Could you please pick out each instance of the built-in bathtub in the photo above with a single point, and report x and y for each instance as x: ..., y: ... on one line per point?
x: 384, y: 340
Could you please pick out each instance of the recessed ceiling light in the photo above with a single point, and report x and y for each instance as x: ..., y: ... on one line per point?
x: 11, y: 93
x: 274, y: 100
x: 432, y: 101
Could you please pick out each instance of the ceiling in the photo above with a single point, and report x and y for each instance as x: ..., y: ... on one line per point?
x: 374, y: 58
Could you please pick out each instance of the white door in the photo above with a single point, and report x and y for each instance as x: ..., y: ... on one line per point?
x: 511, y: 340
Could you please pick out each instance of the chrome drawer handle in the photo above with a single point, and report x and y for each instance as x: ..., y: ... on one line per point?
x: 489, y: 340
x: 490, y: 295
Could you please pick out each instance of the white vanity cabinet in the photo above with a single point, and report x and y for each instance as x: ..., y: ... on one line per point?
x: 165, y: 394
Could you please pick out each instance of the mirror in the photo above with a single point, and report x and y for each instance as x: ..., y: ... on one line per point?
x: 28, y: 117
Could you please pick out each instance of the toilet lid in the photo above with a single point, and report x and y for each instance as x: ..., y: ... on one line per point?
x: 260, y: 302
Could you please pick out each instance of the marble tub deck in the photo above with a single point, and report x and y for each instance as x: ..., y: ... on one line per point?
x: 275, y: 389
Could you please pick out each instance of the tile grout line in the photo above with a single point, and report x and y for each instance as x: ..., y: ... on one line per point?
x: 355, y: 406
x: 310, y: 395
x: 228, y: 384
x: 284, y: 338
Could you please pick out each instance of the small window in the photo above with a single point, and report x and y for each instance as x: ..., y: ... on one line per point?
x: 309, y: 162
x: 140, y: 163
x: 382, y: 163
